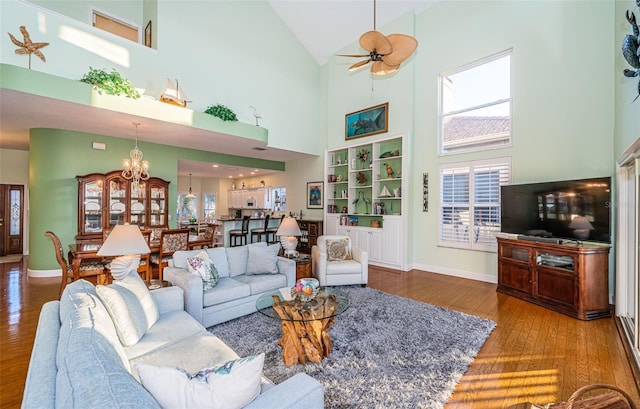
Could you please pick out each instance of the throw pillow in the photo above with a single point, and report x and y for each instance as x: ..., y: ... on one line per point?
x: 338, y: 250
x: 237, y: 259
x: 130, y: 306
x: 201, y: 266
x: 263, y: 260
x: 231, y: 385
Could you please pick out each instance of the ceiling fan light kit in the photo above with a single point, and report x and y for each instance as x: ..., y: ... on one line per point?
x: 385, y: 52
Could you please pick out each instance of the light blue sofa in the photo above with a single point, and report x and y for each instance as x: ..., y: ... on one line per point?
x: 78, y: 361
x: 238, y: 289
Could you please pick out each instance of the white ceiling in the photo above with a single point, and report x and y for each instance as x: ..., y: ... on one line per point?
x: 323, y: 27
x: 326, y: 26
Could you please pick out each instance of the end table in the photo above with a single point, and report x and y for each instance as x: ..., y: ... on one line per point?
x: 303, y: 266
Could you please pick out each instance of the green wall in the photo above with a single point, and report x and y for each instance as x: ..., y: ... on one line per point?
x: 627, y: 112
x: 237, y: 53
x: 56, y: 157
x: 563, y: 101
x: 569, y: 98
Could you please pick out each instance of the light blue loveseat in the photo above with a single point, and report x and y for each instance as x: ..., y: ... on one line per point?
x: 246, y: 272
x: 78, y: 361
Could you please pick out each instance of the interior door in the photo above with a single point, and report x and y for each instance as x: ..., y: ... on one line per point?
x: 11, y: 219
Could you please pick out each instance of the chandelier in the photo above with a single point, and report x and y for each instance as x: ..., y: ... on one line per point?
x: 135, y: 169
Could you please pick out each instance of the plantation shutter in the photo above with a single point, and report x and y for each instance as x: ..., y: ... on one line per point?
x: 454, y: 205
x: 470, y: 203
x: 486, y: 210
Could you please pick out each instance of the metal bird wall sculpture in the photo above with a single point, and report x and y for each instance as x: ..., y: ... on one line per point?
x: 631, y: 48
x: 27, y: 46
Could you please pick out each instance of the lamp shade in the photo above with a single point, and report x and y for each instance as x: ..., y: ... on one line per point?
x: 289, y: 227
x: 580, y: 222
x: 124, y: 239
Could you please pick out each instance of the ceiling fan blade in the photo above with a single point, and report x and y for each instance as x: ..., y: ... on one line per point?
x: 382, y: 68
x: 375, y: 40
x: 359, y: 65
x: 353, y: 55
x: 403, y: 46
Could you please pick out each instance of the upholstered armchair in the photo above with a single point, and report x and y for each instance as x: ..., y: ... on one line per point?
x: 335, y: 262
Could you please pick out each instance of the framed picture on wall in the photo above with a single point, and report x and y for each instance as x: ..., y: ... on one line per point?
x: 315, y: 192
x: 367, y: 122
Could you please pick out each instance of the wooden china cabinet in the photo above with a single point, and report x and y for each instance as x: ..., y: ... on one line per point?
x: 107, y: 199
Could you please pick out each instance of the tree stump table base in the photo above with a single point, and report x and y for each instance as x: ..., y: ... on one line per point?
x: 305, y: 330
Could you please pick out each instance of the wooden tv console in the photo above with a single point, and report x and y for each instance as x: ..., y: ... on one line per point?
x: 569, y: 278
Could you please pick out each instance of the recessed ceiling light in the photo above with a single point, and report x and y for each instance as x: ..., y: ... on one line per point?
x: 241, y: 175
x: 256, y: 170
x: 215, y: 166
x: 253, y: 173
x: 230, y: 177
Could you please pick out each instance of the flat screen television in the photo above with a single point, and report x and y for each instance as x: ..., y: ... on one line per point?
x: 547, y: 209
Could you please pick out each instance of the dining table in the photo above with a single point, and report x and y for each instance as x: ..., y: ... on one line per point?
x: 79, y: 252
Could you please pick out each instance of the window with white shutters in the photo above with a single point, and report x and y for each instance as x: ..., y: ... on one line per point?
x: 470, y: 203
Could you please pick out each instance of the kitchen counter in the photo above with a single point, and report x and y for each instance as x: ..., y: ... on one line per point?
x: 236, y: 223
x: 255, y: 223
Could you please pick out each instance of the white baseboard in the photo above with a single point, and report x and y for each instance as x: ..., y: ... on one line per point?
x: 471, y: 275
x: 44, y: 273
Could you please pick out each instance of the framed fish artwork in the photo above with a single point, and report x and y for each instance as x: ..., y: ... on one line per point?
x: 367, y: 122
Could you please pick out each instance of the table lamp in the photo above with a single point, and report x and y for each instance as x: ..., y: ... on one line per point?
x: 581, y: 227
x: 288, y: 231
x: 126, y: 243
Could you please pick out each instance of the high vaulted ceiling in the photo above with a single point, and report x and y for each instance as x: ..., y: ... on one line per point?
x: 326, y: 26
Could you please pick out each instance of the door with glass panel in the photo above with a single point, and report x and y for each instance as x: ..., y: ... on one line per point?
x: 11, y: 219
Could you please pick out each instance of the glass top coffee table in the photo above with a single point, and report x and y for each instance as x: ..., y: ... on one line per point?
x: 305, y: 325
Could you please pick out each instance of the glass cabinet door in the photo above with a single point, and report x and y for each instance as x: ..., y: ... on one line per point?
x: 108, y: 199
x: 138, y: 203
x: 158, y: 204
x: 93, y: 205
x: 117, y: 193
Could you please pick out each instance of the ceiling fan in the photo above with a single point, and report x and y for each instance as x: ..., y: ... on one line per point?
x: 385, y: 52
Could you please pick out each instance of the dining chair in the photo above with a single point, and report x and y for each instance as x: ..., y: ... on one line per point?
x: 272, y: 231
x: 261, y: 231
x: 171, y: 241
x: 207, y: 238
x: 241, y: 233
x: 210, y: 234
x: 87, y: 269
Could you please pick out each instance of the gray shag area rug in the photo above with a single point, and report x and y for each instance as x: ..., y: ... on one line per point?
x: 388, y: 351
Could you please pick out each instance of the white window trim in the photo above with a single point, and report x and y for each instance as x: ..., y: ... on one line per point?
x: 472, y: 141
x: 471, y: 165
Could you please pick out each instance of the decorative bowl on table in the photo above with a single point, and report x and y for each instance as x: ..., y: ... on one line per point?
x: 306, y: 289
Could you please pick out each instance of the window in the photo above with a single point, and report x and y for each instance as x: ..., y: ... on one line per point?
x: 115, y: 26
x: 279, y: 199
x: 475, y: 106
x: 209, y: 206
x: 470, y: 203
x: 187, y: 207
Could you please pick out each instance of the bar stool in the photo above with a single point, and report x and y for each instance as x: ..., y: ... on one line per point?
x: 241, y: 234
x: 260, y: 231
x: 272, y: 231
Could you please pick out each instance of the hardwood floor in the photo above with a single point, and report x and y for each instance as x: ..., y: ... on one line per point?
x: 533, y: 354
